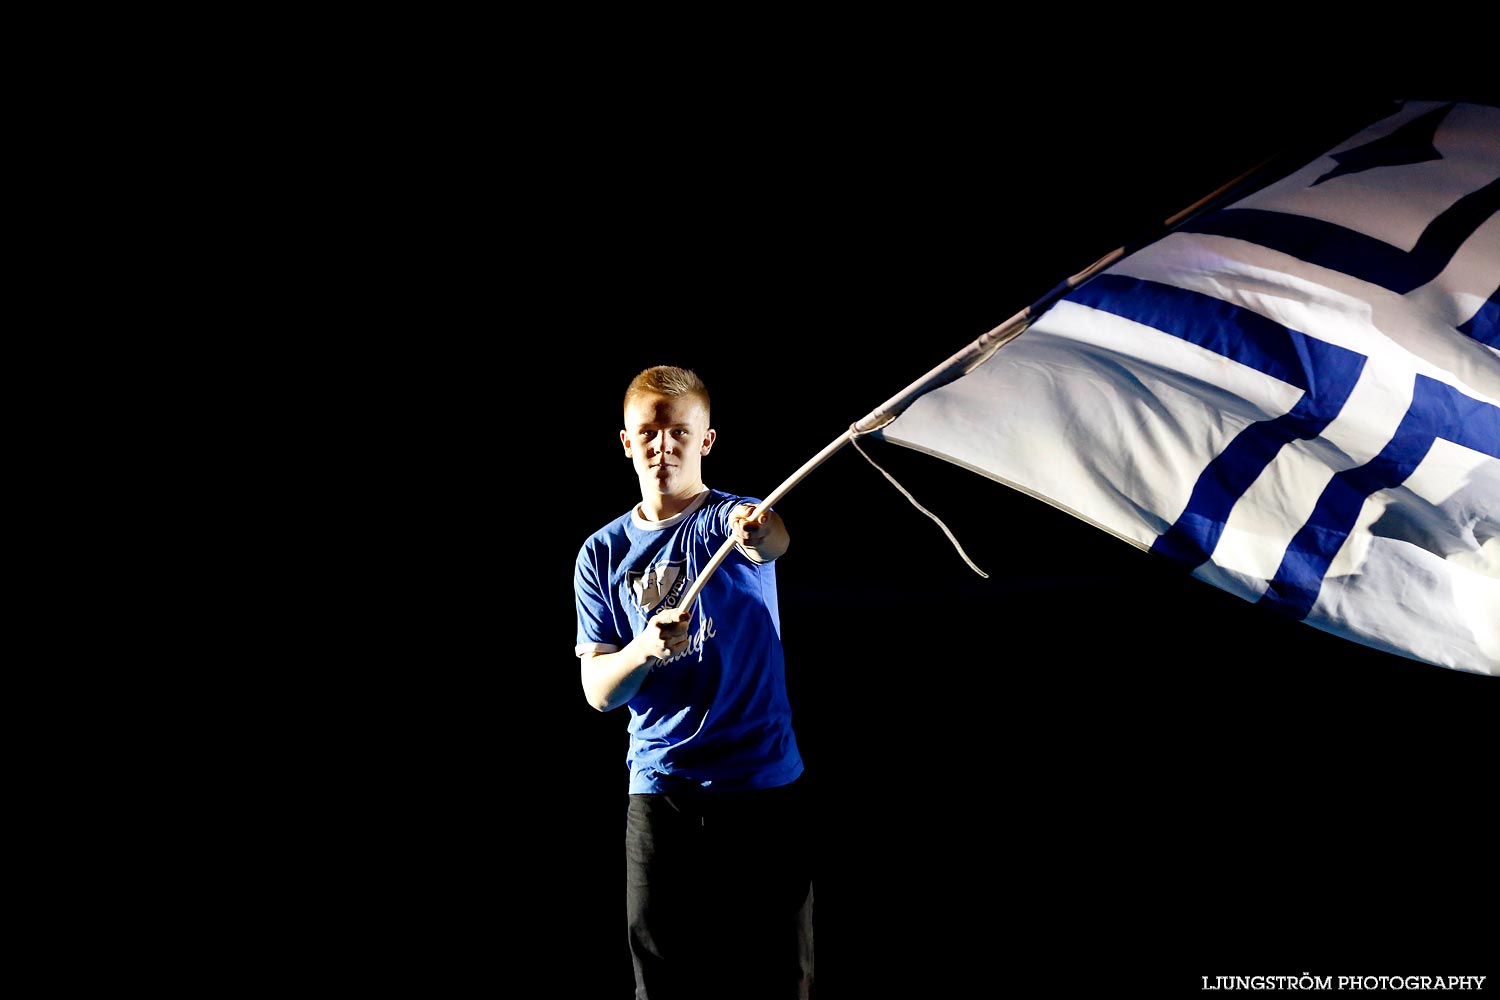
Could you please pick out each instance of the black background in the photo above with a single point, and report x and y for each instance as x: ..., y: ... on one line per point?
x: 1086, y: 768
x: 316, y: 702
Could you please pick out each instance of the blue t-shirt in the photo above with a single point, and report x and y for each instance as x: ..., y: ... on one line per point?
x: 715, y: 717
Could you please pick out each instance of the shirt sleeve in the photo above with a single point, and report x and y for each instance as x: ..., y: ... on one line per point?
x: 597, y: 631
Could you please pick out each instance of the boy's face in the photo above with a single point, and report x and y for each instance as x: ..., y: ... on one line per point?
x: 666, y: 438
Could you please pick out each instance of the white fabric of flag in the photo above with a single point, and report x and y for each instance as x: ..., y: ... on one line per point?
x: 1296, y: 396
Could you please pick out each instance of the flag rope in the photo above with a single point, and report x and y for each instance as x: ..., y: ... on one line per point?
x: 906, y: 493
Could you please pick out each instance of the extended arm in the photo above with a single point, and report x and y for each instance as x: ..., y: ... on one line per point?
x: 763, y: 539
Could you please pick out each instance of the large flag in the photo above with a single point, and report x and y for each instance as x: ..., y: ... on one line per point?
x: 1296, y: 396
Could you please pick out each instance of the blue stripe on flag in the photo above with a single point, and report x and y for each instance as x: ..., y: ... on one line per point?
x: 1437, y: 410
x: 1250, y: 339
x: 1213, y: 324
x: 1338, y: 248
x: 1484, y: 325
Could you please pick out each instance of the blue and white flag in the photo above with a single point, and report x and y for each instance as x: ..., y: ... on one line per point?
x: 1296, y: 396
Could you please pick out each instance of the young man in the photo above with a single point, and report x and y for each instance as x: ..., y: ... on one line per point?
x: 718, y: 846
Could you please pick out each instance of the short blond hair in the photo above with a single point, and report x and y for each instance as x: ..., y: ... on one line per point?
x: 667, y: 380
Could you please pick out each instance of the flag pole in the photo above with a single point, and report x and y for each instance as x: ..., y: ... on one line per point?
x: 981, y: 349
x: 776, y: 494
x: 965, y: 361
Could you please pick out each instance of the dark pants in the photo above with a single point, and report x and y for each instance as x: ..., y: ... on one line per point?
x: 719, y: 895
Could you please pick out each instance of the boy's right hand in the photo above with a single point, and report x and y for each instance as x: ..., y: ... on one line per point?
x: 666, y: 633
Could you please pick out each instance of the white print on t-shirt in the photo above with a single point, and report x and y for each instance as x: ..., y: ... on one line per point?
x: 661, y: 585
x: 705, y: 631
